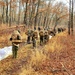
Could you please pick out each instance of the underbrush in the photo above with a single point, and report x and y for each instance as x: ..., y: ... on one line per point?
x: 49, y: 59
x: 53, y: 58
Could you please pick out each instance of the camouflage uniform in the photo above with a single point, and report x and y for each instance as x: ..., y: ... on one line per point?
x: 15, y: 36
x: 29, y: 35
x: 41, y: 34
x: 34, y: 37
x: 51, y: 32
x: 61, y: 29
x: 46, y: 37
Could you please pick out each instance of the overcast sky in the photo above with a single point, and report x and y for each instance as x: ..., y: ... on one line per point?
x: 64, y: 1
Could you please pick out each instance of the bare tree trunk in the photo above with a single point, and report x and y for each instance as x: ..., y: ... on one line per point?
x: 36, y: 14
x: 46, y: 18
x: 44, y: 22
x: 49, y: 22
x: 69, y: 25
x: 56, y: 21
x: 19, y: 12
x: 7, y: 11
x: 30, y: 16
x: 72, y: 19
x: 3, y: 15
x: 33, y: 12
x: 39, y: 20
x: 10, y: 15
x: 14, y: 16
x: 30, y: 13
x: 25, y: 14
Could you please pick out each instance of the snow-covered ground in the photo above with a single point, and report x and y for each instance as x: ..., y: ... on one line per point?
x: 5, y: 52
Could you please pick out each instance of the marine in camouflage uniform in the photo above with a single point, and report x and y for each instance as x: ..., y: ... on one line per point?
x: 15, y: 36
x: 51, y: 32
x: 46, y: 36
x: 41, y: 34
x: 29, y: 35
x: 34, y: 38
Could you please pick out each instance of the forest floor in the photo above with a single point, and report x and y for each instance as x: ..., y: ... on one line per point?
x: 57, y: 57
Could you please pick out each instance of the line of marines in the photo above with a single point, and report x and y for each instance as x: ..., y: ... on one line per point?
x: 32, y: 36
x: 41, y: 34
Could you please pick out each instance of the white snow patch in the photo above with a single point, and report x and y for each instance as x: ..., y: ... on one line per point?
x: 5, y: 52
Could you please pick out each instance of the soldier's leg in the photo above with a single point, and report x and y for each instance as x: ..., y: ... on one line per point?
x: 47, y: 38
x: 16, y: 49
x: 40, y: 40
x: 13, y: 51
x: 44, y: 40
x: 28, y: 39
x: 34, y: 43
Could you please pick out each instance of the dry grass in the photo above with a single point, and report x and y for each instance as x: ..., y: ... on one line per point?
x: 56, y: 46
x: 37, y: 61
x: 56, y: 43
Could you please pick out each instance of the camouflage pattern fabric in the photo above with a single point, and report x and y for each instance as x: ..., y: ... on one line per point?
x: 41, y: 34
x: 15, y: 36
x: 46, y: 37
x: 34, y: 38
x: 14, y: 50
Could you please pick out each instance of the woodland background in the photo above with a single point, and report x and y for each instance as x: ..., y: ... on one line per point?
x: 34, y: 12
